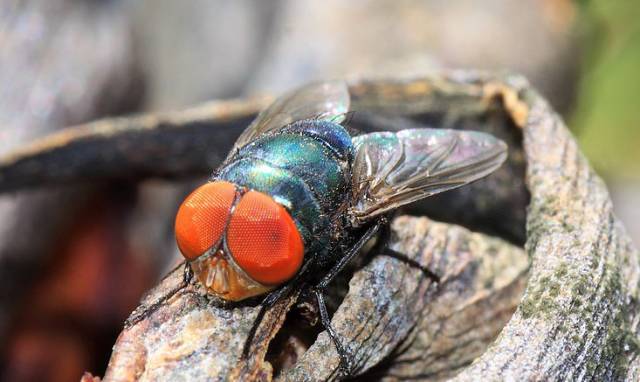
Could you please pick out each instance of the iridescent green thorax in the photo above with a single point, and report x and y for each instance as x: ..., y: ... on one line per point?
x: 305, y: 168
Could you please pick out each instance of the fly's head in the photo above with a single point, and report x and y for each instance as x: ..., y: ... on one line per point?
x: 239, y: 244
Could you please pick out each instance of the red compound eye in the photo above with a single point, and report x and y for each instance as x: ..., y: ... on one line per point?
x: 264, y: 240
x: 202, y: 217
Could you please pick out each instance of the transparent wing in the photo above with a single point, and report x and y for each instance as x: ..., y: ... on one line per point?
x: 394, y: 169
x: 322, y: 100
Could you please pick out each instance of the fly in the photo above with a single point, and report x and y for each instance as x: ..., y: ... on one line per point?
x: 297, y: 189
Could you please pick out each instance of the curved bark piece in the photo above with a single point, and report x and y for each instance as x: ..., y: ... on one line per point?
x: 578, y: 318
x: 191, y: 338
x: 396, y: 322
x: 192, y: 142
x: 179, y: 144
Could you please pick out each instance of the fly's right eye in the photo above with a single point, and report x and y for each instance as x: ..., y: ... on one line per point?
x: 202, y: 217
x: 264, y: 240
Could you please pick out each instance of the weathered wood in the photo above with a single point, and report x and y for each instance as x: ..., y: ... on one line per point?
x: 180, y: 144
x: 193, y: 337
x: 386, y: 305
x: 578, y: 317
x: 398, y: 324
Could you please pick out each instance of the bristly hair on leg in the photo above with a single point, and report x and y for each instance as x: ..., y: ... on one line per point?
x: 346, y: 359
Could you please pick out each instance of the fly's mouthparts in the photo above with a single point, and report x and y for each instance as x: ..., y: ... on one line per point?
x: 224, y: 279
x: 217, y: 272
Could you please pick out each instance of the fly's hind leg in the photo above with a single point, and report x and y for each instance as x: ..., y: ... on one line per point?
x: 410, y: 262
x: 147, y: 310
x: 382, y: 248
x: 382, y: 228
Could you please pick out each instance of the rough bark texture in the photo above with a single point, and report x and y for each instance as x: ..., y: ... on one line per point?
x: 577, y: 319
x: 192, y: 338
x: 391, y: 308
x: 576, y: 310
x: 397, y: 324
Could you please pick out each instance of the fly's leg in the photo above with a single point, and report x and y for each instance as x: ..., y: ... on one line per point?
x: 346, y: 361
x: 187, y: 274
x: 410, y: 262
x: 351, y: 253
x: 136, y: 317
x: 382, y: 248
x: 268, y: 302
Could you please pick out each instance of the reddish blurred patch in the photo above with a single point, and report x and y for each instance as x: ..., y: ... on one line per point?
x: 73, y: 314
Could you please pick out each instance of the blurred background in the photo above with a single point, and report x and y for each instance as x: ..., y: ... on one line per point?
x: 75, y: 259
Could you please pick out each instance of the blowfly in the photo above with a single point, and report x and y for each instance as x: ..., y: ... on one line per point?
x: 299, y: 195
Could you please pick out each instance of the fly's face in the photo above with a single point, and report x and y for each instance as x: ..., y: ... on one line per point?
x: 238, y: 243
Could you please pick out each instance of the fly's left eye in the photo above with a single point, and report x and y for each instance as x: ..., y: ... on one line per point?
x: 202, y: 217
x: 264, y: 240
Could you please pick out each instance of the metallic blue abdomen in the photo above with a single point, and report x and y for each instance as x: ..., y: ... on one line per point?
x: 305, y: 167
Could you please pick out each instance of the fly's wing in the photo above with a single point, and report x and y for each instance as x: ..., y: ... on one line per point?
x: 323, y: 100
x: 394, y: 169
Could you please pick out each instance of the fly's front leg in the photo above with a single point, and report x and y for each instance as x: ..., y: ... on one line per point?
x: 136, y: 317
x: 268, y: 302
x: 187, y: 274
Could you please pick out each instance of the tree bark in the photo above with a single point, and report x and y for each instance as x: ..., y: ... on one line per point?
x: 564, y: 307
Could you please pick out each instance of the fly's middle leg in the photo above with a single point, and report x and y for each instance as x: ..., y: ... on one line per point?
x: 346, y: 359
